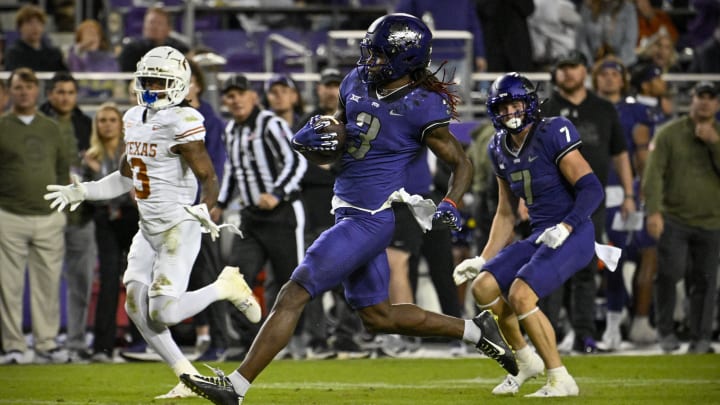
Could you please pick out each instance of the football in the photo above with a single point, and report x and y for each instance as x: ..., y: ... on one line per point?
x: 326, y: 157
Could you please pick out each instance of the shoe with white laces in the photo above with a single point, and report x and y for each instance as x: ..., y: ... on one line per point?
x: 178, y: 391
x: 528, y: 370
x: 233, y: 287
x: 557, y: 386
x: 492, y: 343
x: 218, y: 390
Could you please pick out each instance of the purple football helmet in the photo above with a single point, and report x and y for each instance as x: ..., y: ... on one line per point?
x: 511, y: 87
x: 402, y: 40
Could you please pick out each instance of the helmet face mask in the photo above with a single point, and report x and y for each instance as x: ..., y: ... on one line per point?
x: 518, y: 90
x: 394, y: 45
x: 162, y: 78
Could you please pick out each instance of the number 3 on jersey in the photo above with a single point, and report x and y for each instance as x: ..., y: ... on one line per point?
x: 373, y: 128
x: 140, y: 176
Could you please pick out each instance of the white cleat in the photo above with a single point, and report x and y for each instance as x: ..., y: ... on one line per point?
x: 528, y: 370
x: 560, y: 386
x: 178, y: 391
x: 233, y: 287
x: 611, y: 340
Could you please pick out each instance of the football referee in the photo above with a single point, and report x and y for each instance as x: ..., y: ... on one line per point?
x: 265, y: 172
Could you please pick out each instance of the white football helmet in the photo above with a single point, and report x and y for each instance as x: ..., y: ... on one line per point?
x: 166, y: 64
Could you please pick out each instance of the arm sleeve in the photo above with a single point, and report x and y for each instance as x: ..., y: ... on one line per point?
x: 294, y: 164
x: 588, y: 196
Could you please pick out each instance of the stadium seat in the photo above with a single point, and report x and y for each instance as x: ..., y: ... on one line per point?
x: 243, y: 51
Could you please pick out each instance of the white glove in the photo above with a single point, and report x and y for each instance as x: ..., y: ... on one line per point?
x: 554, y: 236
x: 72, y: 194
x: 468, y: 269
x: 201, y: 213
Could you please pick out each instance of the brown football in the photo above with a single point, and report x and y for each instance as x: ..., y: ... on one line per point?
x: 326, y: 157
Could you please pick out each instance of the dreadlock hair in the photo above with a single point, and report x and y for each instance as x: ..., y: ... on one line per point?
x: 427, y: 79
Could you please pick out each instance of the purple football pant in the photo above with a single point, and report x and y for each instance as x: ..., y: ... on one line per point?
x: 542, y: 268
x: 351, y: 252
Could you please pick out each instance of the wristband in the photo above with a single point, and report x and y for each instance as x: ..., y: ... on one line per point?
x: 449, y: 201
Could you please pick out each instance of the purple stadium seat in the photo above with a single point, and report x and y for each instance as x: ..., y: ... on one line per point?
x: 243, y: 51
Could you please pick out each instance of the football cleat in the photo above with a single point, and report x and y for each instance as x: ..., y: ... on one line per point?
x: 219, y: 390
x: 233, y: 287
x: 557, y: 386
x: 178, y: 391
x: 492, y: 343
x: 531, y: 369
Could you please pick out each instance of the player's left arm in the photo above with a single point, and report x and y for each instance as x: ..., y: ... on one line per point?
x: 200, y: 163
x: 588, y: 190
x: 447, y: 148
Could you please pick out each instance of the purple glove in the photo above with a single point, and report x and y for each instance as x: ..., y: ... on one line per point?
x: 448, y: 214
x: 310, y: 139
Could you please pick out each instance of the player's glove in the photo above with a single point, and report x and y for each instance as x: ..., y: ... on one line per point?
x: 554, y: 236
x: 62, y: 196
x: 468, y: 269
x: 448, y: 214
x: 310, y: 138
x: 201, y: 213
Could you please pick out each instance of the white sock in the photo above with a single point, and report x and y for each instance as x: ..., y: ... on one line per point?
x: 240, y: 384
x: 642, y: 321
x: 613, y: 320
x: 557, y: 372
x: 472, y: 333
x: 525, y: 354
x: 183, y: 366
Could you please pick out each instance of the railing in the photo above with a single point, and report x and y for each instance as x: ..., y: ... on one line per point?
x: 305, y: 54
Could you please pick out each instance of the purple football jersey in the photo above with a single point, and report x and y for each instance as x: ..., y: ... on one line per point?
x: 532, y: 171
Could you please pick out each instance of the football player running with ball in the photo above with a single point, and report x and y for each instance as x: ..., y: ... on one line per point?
x: 164, y: 158
x: 539, y: 161
x: 392, y: 106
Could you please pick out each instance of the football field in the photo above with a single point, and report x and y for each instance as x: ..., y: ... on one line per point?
x: 603, y: 379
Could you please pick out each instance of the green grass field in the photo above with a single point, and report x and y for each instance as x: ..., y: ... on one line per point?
x: 678, y: 379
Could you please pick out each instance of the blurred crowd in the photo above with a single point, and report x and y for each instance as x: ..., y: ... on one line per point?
x: 599, y: 53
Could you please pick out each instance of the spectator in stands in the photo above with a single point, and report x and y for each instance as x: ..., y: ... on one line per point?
x: 157, y: 27
x: 608, y: 27
x: 283, y: 98
x: 705, y: 21
x: 80, y: 248
x: 650, y: 89
x: 32, y: 49
x: 34, y: 154
x: 652, y: 20
x: 599, y: 127
x: 659, y: 49
x: 327, y: 93
x: 91, y: 53
x: 506, y: 34
x: 553, y: 26
x: 210, y: 324
x: 116, y: 222
x: 684, y: 161
x: 461, y: 16
x: 706, y: 58
x: 4, y: 97
x: 610, y: 81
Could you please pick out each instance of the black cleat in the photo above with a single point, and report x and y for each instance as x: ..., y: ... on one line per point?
x: 219, y: 390
x: 492, y: 343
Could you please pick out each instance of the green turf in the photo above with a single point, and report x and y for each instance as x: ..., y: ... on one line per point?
x: 678, y: 379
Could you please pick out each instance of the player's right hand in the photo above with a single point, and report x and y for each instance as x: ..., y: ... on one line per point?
x: 62, y: 196
x: 468, y: 269
x: 310, y: 137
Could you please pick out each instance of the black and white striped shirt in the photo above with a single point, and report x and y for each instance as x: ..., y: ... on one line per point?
x: 260, y: 160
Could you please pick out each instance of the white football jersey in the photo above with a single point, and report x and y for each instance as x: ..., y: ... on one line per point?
x: 162, y: 179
